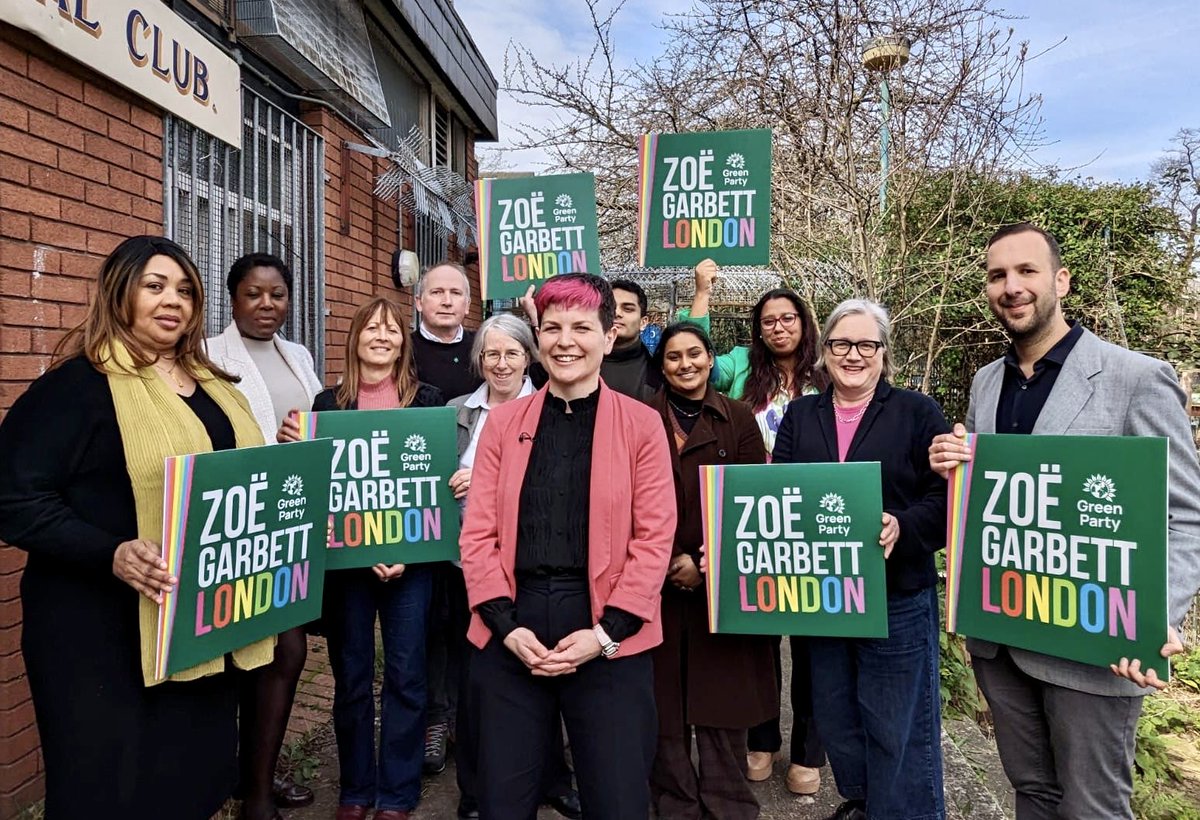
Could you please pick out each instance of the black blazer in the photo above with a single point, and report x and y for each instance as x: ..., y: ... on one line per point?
x: 427, y: 396
x: 896, y: 431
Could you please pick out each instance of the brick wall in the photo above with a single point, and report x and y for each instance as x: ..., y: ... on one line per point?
x: 80, y: 169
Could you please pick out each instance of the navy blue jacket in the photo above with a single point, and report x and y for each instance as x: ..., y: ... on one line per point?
x: 896, y: 431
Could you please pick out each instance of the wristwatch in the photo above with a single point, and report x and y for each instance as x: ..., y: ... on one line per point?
x: 608, y: 647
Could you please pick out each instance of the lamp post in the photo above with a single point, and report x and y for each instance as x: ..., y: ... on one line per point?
x: 883, y: 54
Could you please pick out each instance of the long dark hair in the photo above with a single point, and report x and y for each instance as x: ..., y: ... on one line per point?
x: 674, y: 329
x: 765, y: 380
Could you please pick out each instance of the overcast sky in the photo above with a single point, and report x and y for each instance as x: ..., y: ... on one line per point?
x: 1124, y: 81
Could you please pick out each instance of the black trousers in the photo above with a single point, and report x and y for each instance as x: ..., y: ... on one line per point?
x: 607, y: 705
x: 806, y: 748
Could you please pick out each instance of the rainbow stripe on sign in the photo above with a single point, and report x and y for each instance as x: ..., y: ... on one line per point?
x: 956, y: 532
x: 712, y: 487
x: 647, y: 154
x: 483, y: 231
x: 178, y: 486
x: 308, y: 425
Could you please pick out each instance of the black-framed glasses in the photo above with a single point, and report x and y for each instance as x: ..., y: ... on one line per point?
x: 512, y: 357
x: 867, y: 348
x: 786, y: 319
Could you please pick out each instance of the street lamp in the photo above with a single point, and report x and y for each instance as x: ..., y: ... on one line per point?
x: 883, y: 54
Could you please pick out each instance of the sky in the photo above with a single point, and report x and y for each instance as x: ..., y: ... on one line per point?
x: 1118, y: 81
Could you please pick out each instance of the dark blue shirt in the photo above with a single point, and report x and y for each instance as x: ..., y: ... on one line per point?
x: 1022, y: 399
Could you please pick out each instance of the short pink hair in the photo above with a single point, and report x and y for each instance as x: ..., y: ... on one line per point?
x: 578, y: 290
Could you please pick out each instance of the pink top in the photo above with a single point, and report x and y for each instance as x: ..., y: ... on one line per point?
x: 384, y: 395
x: 845, y: 427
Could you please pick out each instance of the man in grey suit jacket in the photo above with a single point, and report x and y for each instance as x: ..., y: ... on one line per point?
x: 1065, y: 730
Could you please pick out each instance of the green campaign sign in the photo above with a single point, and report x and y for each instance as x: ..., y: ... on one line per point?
x: 793, y: 549
x: 533, y: 228
x: 1058, y: 544
x: 243, y: 531
x: 704, y: 195
x: 389, y: 495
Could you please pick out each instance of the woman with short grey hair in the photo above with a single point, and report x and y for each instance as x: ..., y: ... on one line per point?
x: 859, y: 307
x: 508, y: 325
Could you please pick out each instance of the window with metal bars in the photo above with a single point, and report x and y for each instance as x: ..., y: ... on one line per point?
x: 221, y: 203
x: 441, y: 137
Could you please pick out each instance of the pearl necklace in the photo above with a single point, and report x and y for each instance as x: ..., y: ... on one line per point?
x: 856, y: 416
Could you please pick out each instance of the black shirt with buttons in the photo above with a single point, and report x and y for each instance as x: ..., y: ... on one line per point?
x: 1022, y: 399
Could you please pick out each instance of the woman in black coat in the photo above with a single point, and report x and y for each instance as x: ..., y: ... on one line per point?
x: 877, y: 700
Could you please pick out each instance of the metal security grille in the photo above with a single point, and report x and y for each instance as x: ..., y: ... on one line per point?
x: 221, y: 203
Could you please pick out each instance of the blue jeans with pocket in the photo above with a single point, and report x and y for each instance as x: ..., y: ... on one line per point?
x: 878, y: 711
x: 353, y: 600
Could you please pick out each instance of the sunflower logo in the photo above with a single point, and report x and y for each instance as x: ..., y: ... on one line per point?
x: 833, y: 503
x: 563, y: 201
x: 736, y: 160
x: 1100, y: 487
x: 293, y: 485
x: 415, y: 442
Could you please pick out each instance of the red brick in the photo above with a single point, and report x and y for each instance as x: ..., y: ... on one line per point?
x: 152, y: 145
x: 14, y: 283
x: 14, y: 169
x: 147, y: 166
x: 13, y: 57
x: 81, y: 165
x: 104, y: 196
x: 14, y: 225
x: 125, y: 180
x: 73, y: 315
x: 102, y: 243
x: 28, y: 147
x: 15, y: 691
x: 13, y: 114
x: 55, y: 78
x: 125, y: 133
x: 35, y: 203
x: 106, y: 101
x: 11, y: 560
x: 13, y: 339
x: 53, y: 181
x: 153, y: 189
x: 149, y: 121
x: 60, y: 131
x: 57, y: 289
x: 27, y: 313
x: 20, y: 771
x: 22, y: 743
x: 12, y: 803
x: 12, y: 666
x: 147, y: 210
x: 78, y: 213
x: 10, y: 585
x: 108, y: 150
x: 80, y: 265
x: 23, y: 90
x: 21, y: 368
x: 83, y: 115
x: 60, y: 235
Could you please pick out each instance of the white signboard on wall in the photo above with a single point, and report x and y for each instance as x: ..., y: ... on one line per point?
x: 146, y: 47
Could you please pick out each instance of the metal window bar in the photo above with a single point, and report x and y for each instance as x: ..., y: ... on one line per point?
x: 432, y: 239
x: 220, y: 203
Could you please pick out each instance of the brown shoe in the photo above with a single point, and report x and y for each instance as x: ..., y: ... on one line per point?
x: 760, y: 764
x: 350, y: 812
x: 391, y: 814
x: 803, y: 780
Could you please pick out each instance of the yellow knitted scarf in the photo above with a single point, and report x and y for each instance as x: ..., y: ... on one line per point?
x: 156, y: 424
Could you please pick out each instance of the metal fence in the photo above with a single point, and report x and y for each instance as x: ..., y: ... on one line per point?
x: 220, y: 203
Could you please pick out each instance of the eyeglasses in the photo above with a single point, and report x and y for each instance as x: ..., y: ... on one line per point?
x: 492, y: 357
x: 785, y: 319
x: 866, y: 348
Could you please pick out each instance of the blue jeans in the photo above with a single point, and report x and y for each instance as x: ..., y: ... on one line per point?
x: 878, y: 709
x: 353, y: 599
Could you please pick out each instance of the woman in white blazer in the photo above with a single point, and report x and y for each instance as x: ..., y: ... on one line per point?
x: 277, y: 377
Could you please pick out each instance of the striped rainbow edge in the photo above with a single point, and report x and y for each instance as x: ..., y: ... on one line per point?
x: 178, y: 483
x: 712, y: 485
x: 956, y: 532
x: 483, y: 230
x: 308, y: 425
x: 647, y: 152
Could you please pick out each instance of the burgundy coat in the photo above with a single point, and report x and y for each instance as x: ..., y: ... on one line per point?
x: 722, y: 681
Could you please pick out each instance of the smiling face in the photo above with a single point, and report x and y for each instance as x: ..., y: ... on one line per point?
x: 687, y: 365
x: 853, y: 373
x: 163, y: 303
x: 573, y: 344
x: 1023, y: 286
x: 503, y: 362
x: 381, y: 341
x: 260, y: 303
x: 780, y: 326
x: 629, y: 321
x: 443, y: 300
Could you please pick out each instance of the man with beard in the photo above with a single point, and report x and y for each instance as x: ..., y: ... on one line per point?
x: 1065, y: 730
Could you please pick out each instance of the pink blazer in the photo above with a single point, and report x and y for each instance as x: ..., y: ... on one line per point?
x: 632, y: 511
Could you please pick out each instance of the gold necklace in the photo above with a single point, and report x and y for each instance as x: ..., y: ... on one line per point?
x: 170, y: 373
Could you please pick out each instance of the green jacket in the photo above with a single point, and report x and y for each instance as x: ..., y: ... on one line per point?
x: 731, y: 369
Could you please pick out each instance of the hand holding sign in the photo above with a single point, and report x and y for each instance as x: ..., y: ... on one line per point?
x: 948, y: 450
x: 139, y: 563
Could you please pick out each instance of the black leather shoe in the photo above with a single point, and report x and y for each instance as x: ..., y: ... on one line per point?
x: 566, y: 804
x: 467, y: 810
x: 850, y: 810
x: 289, y: 794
